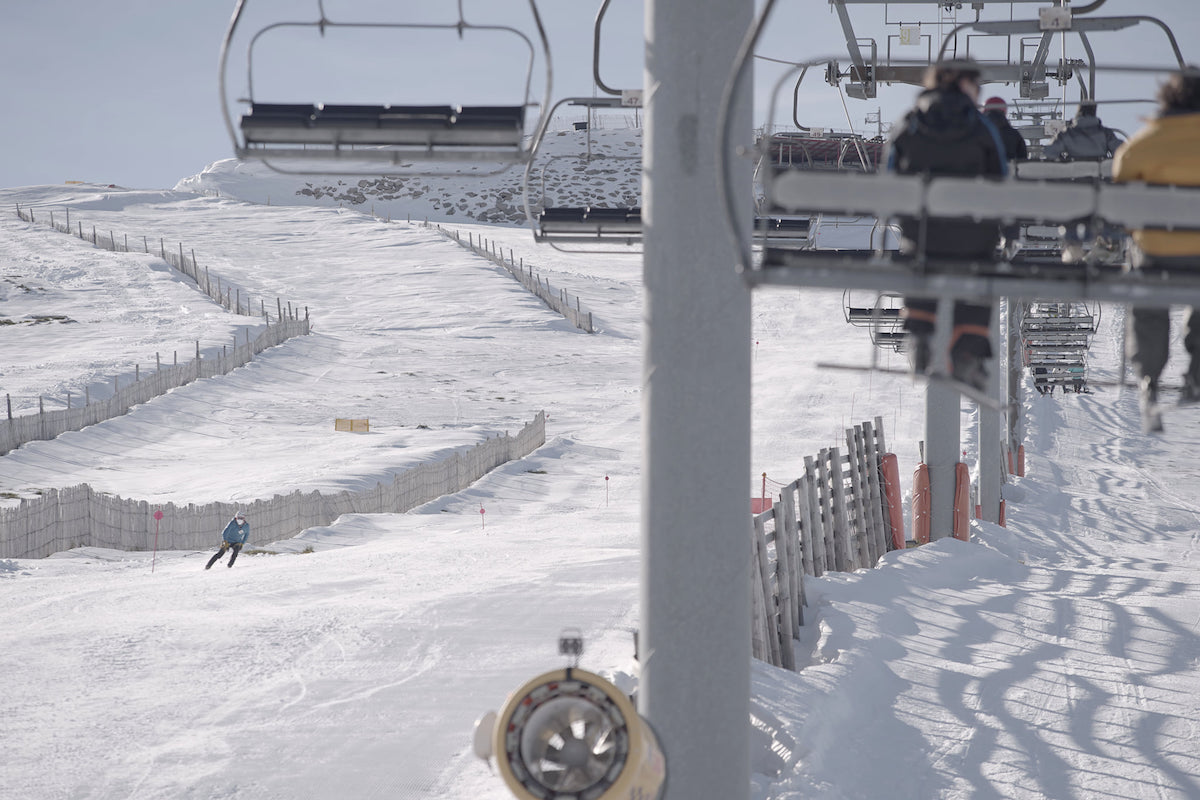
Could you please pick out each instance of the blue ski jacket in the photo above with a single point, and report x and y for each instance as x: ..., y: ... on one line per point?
x: 236, y: 534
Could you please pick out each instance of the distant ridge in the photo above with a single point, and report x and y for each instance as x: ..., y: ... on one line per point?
x: 612, y: 177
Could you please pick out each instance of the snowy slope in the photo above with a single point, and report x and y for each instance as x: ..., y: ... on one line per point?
x: 1055, y: 659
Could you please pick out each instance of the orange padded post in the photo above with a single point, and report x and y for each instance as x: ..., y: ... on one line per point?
x: 891, y: 494
x: 962, y: 502
x: 920, y: 504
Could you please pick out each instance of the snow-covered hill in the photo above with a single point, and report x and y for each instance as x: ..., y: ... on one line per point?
x: 1057, y: 658
x: 574, y: 168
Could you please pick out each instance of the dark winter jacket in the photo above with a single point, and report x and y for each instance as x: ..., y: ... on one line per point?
x: 1085, y: 139
x: 1014, y: 143
x: 236, y: 534
x: 945, y: 134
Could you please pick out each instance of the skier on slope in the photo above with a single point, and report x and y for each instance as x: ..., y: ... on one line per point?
x: 233, y: 537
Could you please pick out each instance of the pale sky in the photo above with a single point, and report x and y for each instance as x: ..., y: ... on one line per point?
x: 126, y: 92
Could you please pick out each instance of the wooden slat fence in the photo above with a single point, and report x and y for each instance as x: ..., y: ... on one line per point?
x: 79, y: 516
x: 220, y: 290
x: 16, y: 430
x: 834, y: 518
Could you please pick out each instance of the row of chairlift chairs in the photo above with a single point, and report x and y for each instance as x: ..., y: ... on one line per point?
x: 803, y: 177
x: 325, y: 138
x: 1041, y: 196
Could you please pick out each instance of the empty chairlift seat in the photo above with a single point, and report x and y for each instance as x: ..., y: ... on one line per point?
x: 588, y: 223
x: 275, y: 127
x: 785, y: 232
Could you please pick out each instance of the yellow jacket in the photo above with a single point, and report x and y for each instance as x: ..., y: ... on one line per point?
x: 1166, y: 151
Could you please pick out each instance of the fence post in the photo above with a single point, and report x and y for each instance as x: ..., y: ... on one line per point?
x: 759, y: 629
x: 760, y: 550
x: 811, y: 505
x: 841, y: 515
x: 785, y: 588
x: 873, y: 437
x: 8, y: 401
x: 834, y: 557
x: 797, y: 550
x: 858, y: 487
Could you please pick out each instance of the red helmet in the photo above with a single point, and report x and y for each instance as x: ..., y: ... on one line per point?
x: 995, y: 104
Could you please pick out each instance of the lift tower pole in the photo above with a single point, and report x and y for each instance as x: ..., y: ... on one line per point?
x: 695, y: 525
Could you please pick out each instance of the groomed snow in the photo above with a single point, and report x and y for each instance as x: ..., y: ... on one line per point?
x: 1057, y: 658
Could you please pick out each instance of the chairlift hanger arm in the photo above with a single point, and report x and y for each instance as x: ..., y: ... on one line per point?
x: 596, y: 52
x: 731, y: 91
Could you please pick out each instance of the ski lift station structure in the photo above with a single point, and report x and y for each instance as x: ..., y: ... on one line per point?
x: 696, y: 611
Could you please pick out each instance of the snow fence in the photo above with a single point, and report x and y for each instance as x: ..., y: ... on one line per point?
x: 16, y: 430
x: 22, y: 428
x: 79, y: 516
x: 837, y: 517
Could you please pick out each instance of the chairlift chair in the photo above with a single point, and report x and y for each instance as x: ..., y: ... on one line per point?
x: 591, y: 227
x: 319, y: 138
x: 1003, y: 202
x: 584, y: 227
x: 882, y: 318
